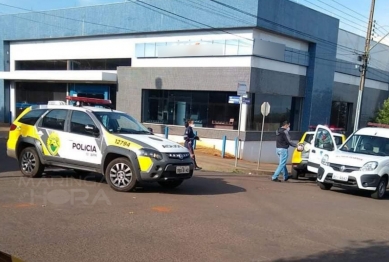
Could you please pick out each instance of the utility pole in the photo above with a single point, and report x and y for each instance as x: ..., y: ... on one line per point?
x: 365, y: 60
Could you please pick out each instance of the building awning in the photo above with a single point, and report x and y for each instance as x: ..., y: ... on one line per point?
x: 62, y: 76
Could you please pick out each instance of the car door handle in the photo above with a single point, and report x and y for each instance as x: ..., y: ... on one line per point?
x: 313, y: 151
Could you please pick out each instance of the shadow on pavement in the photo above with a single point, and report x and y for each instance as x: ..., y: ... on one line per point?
x: 195, y: 186
x: 356, y: 193
x: 358, y: 251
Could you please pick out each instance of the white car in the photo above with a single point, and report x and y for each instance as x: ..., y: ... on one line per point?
x: 362, y: 162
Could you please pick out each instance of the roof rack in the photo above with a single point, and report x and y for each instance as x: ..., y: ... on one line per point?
x: 371, y: 124
x: 87, y: 101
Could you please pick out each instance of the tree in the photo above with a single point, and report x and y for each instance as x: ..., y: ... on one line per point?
x: 382, y: 115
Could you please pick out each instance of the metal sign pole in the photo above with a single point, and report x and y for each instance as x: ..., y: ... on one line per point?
x: 240, y: 114
x: 260, y: 143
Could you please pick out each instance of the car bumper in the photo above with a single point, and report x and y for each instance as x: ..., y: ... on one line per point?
x: 357, y: 179
x: 162, y: 171
x: 11, y: 153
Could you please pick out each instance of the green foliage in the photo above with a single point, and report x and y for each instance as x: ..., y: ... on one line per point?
x: 382, y: 115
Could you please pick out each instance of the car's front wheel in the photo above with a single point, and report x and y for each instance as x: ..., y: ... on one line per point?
x: 325, y: 186
x: 30, y: 164
x: 120, y: 175
x: 171, y: 183
x: 380, y: 191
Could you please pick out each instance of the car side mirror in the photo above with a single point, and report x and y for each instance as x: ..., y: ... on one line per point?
x: 92, y: 130
x: 151, y: 130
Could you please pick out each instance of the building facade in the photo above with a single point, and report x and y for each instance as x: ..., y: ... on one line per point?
x: 167, y: 61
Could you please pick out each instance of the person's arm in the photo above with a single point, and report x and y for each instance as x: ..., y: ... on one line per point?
x: 288, y: 138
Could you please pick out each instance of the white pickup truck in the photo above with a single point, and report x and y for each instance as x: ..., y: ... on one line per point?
x: 362, y: 162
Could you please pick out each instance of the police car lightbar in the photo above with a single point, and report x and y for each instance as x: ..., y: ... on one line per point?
x: 88, y: 100
x: 332, y: 128
x: 370, y: 124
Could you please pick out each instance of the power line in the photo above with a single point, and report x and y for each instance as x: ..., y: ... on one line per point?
x: 39, y: 22
x: 285, y: 27
x: 365, y: 22
x: 67, y: 18
x: 338, y: 15
x: 351, y: 10
x: 164, y: 10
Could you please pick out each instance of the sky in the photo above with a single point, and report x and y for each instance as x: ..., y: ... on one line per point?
x: 353, y: 14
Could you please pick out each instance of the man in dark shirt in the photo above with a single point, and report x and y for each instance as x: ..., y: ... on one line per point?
x: 282, y: 144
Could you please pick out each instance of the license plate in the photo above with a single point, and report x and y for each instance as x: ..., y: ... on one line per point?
x: 182, y: 169
x: 340, y: 177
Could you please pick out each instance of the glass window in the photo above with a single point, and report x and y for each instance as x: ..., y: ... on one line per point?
x: 207, y: 108
x: 78, y: 122
x: 368, y: 145
x: 281, y: 108
x: 340, y: 114
x: 55, y: 119
x: 41, y: 65
x: 120, y: 123
x: 31, y: 117
x: 323, y: 140
x: 308, y: 138
x: 31, y: 93
x: 99, y: 64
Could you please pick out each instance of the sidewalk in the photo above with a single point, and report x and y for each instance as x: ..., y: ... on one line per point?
x: 218, y: 164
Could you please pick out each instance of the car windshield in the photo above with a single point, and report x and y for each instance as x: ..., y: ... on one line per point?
x: 368, y: 145
x: 120, y: 123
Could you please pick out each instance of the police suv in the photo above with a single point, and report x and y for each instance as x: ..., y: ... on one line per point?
x: 362, y: 162
x: 92, y: 138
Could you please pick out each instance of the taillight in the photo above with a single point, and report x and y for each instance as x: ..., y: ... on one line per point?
x: 12, y: 127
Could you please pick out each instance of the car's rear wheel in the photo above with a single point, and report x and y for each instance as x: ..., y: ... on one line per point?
x: 171, y: 183
x: 120, y: 175
x: 30, y: 164
x: 380, y: 191
x: 325, y: 186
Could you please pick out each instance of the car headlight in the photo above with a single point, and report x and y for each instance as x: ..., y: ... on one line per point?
x: 369, y: 166
x: 324, y: 160
x: 150, y: 153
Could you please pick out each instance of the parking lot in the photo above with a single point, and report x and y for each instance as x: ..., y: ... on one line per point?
x: 212, y: 217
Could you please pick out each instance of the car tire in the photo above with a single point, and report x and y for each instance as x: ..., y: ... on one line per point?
x: 117, y: 175
x: 80, y: 173
x: 325, y: 186
x: 380, y: 191
x: 30, y: 164
x: 170, y: 184
x: 295, y: 174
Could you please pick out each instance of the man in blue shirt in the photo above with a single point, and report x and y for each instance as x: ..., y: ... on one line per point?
x: 282, y: 144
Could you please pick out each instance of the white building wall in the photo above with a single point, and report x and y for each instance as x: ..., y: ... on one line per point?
x: 354, y: 80
x: 379, y: 56
x: 280, y: 39
x: 124, y: 47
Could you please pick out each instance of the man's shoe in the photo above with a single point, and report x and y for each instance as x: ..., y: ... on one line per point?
x: 198, y: 168
x: 286, y: 180
x: 276, y: 180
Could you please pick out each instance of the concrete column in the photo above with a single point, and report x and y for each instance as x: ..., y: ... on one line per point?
x: 12, y: 100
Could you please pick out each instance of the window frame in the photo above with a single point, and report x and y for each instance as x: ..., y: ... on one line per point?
x: 66, y: 123
x: 70, y: 115
x: 37, y: 119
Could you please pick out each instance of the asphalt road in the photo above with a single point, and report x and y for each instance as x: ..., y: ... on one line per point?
x: 212, y: 217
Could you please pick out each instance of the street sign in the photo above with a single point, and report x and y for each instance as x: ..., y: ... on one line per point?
x: 246, y: 100
x: 265, y: 108
x: 234, y: 99
x: 242, y: 89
